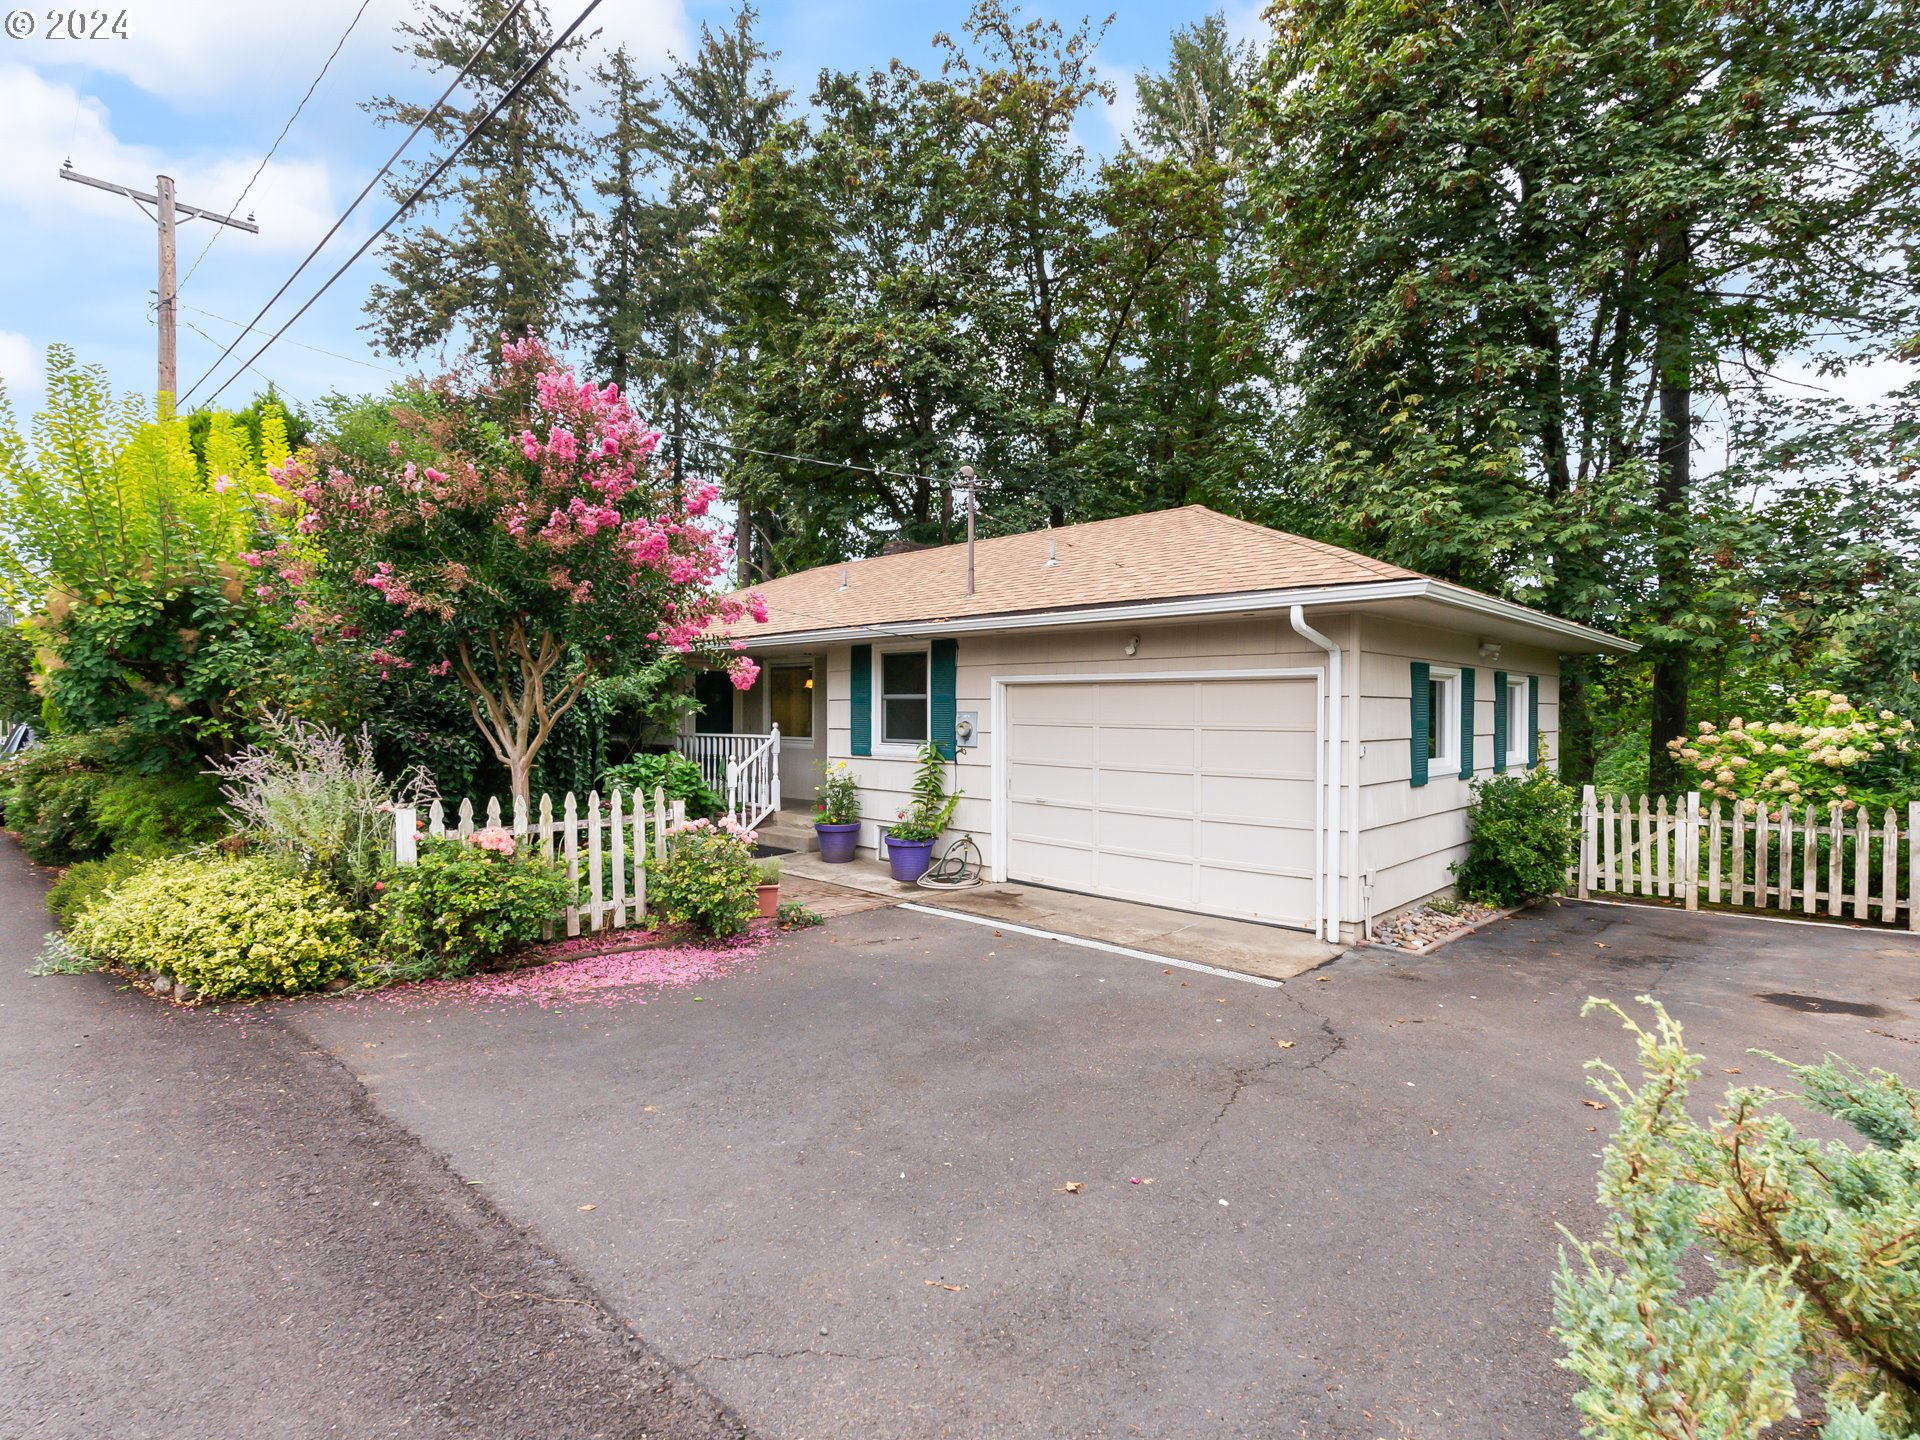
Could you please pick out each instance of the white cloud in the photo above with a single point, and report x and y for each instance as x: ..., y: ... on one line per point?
x: 19, y: 365
x: 1861, y: 384
x: 215, y: 54
x: 211, y: 54
x: 52, y: 122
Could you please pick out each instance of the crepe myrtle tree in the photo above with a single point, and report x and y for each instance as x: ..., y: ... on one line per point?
x: 514, y: 536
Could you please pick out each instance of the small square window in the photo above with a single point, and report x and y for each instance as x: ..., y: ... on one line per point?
x: 903, y: 698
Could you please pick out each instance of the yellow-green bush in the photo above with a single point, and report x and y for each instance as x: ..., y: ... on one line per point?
x: 227, y: 927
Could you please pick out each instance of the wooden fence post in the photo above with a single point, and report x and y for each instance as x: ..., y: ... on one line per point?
x: 406, y: 849
x: 1690, y: 852
x: 1913, y: 866
x: 1588, y: 832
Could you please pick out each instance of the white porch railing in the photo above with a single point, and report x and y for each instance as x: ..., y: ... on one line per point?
x: 753, y: 780
x: 713, y: 752
x: 1834, y: 864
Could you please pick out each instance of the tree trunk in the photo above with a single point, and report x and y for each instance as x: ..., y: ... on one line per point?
x: 507, y: 694
x: 1575, y: 761
x: 1672, y: 494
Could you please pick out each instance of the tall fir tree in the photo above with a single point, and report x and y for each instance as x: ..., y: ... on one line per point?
x: 490, y: 248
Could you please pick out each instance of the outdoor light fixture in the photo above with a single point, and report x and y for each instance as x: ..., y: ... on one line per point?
x: 1489, y: 649
x: 1133, y: 645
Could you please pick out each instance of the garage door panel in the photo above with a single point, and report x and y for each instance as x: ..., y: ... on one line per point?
x: 1254, y: 702
x: 1147, y: 790
x: 1168, y: 835
x: 1287, y: 803
x: 1068, y: 867
x: 1278, y: 899
x: 1145, y: 703
x: 1144, y: 747
x: 1262, y: 847
x: 1052, y: 744
x: 1257, y: 752
x: 1056, y: 784
x: 1065, y: 824
x: 1196, y: 795
x: 1145, y: 880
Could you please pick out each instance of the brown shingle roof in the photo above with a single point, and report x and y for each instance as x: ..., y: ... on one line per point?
x: 1157, y: 556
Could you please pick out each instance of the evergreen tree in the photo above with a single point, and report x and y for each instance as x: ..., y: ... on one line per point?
x: 504, y: 262
x: 1518, y: 251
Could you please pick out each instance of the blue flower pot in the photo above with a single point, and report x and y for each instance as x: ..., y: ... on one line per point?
x: 838, y: 842
x: 908, y: 860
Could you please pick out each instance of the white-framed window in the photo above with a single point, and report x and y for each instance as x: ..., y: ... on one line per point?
x: 1516, y: 726
x: 1443, y: 721
x: 902, y: 688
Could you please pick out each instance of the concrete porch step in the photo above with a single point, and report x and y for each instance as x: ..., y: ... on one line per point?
x: 790, y: 830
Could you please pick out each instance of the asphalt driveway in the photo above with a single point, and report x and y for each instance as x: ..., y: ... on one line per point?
x: 834, y: 1187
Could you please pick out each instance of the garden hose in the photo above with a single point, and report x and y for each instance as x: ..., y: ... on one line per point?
x: 957, y: 868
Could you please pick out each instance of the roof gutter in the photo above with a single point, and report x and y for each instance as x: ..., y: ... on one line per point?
x: 1418, y: 588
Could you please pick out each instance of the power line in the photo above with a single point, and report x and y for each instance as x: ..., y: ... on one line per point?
x: 272, y: 384
x: 283, y: 133
x: 330, y: 354
x: 432, y: 110
x: 538, y: 64
x: 704, y: 438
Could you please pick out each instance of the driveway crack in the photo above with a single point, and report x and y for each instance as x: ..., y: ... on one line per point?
x: 1244, y: 1075
x: 745, y: 1355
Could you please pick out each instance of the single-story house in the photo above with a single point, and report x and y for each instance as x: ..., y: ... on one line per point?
x: 1177, y: 708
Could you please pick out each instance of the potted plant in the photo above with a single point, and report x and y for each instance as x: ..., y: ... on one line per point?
x: 836, y: 814
x: 768, y: 888
x: 910, y: 838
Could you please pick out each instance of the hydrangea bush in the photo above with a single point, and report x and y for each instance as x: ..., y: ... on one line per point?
x: 708, y: 879
x: 1829, y: 751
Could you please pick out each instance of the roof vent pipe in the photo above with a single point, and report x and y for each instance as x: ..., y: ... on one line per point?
x: 1051, y: 544
x: 1330, y: 901
x: 846, y: 572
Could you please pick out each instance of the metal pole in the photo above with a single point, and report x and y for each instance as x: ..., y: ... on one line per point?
x: 169, y: 361
x: 966, y: 474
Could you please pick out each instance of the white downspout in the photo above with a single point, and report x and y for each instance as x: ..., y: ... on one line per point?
x: 1330, y: 903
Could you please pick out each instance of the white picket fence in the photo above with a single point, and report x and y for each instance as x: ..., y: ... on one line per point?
x: 1836, y: 865
x: 612, y: 841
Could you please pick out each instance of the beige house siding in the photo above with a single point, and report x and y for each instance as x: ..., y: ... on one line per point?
x: 1397, y: 840
x: 1263, y: 643
x: 1411, y: 835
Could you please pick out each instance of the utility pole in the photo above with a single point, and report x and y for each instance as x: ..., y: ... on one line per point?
x: 166, y: 215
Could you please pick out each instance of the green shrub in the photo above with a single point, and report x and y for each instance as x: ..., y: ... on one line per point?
x: 50, y: 792
x: 89, y: 881
x: 227, y: 927
x: 1520, y: 838
x: 1817, y: 1275
x: 671, y: 771
x: 465, y: 905
x: 708, y: 880
x: 152, y: 814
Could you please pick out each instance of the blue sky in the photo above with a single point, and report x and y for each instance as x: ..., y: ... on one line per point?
x: 201, y: 88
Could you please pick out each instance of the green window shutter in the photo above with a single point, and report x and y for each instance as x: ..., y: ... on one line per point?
x: 1466, y: 723
x: 860, y: 691
x: 942, y: 713
x: 1533, y: 720
x: 1420, y: 683
x: 1500, y: 701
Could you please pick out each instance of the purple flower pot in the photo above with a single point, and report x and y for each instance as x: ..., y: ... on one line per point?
x: 838, y: 842
x: 908, y: 859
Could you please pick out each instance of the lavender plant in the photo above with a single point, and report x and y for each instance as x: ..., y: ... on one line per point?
x: 314, y: 796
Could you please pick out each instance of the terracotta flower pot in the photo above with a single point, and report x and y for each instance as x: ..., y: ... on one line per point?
x: 769, y: 900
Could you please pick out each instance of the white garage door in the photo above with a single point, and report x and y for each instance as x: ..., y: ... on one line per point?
x: 1194, y: 794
